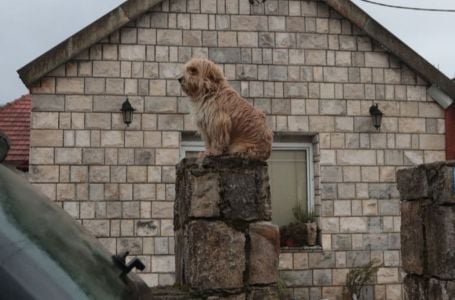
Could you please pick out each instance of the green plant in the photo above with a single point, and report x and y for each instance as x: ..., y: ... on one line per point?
x: 358, y: 277
x: 283, y: 292
x: 303, y: 216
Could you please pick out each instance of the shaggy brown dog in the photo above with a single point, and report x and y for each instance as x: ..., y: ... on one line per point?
x: 227, y: 123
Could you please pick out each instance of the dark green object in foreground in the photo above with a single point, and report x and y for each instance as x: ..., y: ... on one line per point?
x: 44, y: 254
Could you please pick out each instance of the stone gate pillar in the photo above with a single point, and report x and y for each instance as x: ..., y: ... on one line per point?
x: 225, y: 243
x: 427, y: 195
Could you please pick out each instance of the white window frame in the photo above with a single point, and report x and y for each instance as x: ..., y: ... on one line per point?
x: 197, y: 146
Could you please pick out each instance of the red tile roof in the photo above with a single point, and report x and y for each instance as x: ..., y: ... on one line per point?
x: 15, y: 123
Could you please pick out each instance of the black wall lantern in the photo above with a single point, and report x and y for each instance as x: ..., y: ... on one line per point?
x: 376, y: 116
x: 127, y: 112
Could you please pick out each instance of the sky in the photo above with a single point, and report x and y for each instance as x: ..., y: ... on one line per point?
x: 28, y: 28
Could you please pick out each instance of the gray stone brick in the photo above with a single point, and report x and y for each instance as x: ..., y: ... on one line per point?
x: 376, y: 59
x: 68, y: 156
x: 169, y: 37
x: 48, y: 103
x: 98, y: 121
x: 44, y: 174
x: 312, y: 41
x: 225, y: 55
x: 298, y: 278
x: 106, y: 68
x: 253, y: 23
x: 46, y: 138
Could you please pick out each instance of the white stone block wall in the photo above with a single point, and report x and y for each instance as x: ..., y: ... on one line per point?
x: 309, y: 69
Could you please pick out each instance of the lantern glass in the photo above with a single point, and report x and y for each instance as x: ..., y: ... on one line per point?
x: 128, y: 117
x: 127, y: 112
x: 377, y: 121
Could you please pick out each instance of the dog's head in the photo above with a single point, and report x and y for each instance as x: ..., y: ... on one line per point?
x: 201, y: 77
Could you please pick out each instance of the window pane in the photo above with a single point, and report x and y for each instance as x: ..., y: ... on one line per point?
x: 191, y: 154
x: 288, y: 183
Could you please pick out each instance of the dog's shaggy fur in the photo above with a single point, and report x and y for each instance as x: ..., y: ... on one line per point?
x: 227, y: 123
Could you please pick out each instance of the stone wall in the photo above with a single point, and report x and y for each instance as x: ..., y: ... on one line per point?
x: 225, y: 243
x: 428, y: 230
x: 312, y: 72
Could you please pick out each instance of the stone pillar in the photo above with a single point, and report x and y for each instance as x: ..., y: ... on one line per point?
x: 226, y: 246
x: 428, y: 230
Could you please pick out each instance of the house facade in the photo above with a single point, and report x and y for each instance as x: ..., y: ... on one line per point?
x: 314, y: 67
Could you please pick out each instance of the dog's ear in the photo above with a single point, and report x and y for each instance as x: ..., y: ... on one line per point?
x: 214, y: 74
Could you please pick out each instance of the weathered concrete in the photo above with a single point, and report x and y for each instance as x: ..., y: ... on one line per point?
x: 225, y: 246
x: 428, y: 230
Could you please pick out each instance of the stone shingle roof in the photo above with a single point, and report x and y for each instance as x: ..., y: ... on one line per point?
x: 15, y: 123
x: 132, y: 9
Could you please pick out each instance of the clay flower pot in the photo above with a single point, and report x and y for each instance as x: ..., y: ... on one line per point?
x: 311, y: 233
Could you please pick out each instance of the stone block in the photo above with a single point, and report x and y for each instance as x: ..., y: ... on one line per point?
x: 98, y: 121
x: 169, y: 37
x: 106, y: 69
x: 412, y: 184
x: 167, y: 156
x: 253, y: 23
x: 68, y: 156
x: 415, y: 288
x: 78, y: 103
x: 263, y: 293
x: 205, y: 198
x: 356, y: 157
x: 70, y: 85
x: 246, y: 193
x: 295, y: 90
x: 44, y: 174
x: 144, y: 156
x: 170, y: 122
x: 46, y: 138
x: 322, y: 277
x: 312, y: 41
x: 441, y: 181
x: 353, y: 91
x: 93, y: 156
x: 112, y: 138
x: 225, y: 55
x: 411, y: 125
x: 376, y: 59
x: 333, y: 107
x: 99, y: 228
x: 41, y: 156
x: 264, y: 253
x: 212, y: 250
x: 44, y: 120
x: 440, y: 238
x: 48, y: 103
x: 297, y: 278
x: 335, y: 74
x: 163, y: 263
x: 321, y: 260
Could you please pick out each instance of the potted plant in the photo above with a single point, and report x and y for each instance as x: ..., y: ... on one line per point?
x: 301, y: 232
x: 358, y: 277
x: 308, y: 221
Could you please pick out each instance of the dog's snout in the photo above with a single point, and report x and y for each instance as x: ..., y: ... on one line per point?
x: 180, y: 79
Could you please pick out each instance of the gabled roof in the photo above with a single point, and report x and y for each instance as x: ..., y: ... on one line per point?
x: 132, y: 9
x: 15, y: 123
